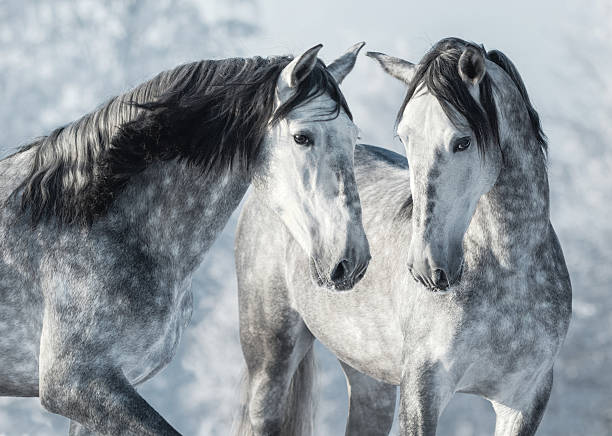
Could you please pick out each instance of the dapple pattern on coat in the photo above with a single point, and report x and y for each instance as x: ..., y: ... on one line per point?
x: 493, y: 329
x: 93, y: 300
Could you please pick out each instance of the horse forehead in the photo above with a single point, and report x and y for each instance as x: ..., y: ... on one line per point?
x: 336, y: 127
x: 424, y: 119
x: 320, y: 112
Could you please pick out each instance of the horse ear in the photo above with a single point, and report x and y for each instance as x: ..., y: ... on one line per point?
x: 398, y: 68
x: 471, y: 66
x: 340, y: 68
x: 299, y: 68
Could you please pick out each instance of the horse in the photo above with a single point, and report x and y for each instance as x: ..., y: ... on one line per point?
x: 104, y: 221
x: 467, y: 290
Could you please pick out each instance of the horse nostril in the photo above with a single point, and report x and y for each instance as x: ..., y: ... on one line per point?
x: 440, y: 279
x: 340, y: 271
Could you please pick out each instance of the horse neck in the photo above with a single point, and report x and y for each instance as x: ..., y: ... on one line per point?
x: 173, y: 212
x: 512, y: 219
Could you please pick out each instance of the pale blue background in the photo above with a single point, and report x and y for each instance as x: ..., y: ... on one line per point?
x: 60, y: 59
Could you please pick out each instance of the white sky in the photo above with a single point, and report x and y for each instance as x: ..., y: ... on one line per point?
x: 525, y: 30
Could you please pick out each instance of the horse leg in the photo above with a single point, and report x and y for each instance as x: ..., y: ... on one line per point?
x: 103, y: 401
x: 424, y: 393
x: 277, y: 347
x: 371, y: 404
x: 80, y: 381
x: 524, y: 419
x: 280, y: 376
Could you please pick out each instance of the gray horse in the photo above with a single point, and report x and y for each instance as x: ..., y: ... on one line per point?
x: 104, y: 221
x: 467, y: 290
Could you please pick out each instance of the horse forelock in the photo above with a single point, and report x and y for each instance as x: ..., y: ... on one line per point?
x: 212, y: 113
x: 318, y: 82
x: 438, y: 72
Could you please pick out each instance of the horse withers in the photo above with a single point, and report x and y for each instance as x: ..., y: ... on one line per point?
x: 104, y: 221
x: 467, y: 290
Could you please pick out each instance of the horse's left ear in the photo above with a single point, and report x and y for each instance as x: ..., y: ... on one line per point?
x: 471, y: 66
x: 398, y: 68
x: 299, y: 68
x: 340, y: 68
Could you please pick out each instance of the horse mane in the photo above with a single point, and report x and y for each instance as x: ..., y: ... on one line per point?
x: 506, y: 64
x: 438, y: 71
x: 211, y: 113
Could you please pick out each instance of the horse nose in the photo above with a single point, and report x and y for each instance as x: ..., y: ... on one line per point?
x: 340, y: 272
x: 440, y: 279
x: 360, y: 272
x: 348, y: 273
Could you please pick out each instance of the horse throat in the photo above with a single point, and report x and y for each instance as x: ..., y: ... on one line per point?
x: 512, y: 219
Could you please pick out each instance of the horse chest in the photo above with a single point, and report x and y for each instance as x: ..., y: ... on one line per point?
x: 512, y: 336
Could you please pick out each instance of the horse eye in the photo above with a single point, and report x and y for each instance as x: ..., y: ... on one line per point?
x: 462, y: 144
x: 302, y: 139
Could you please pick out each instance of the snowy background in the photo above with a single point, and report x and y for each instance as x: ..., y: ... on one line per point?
x: 60, y: 59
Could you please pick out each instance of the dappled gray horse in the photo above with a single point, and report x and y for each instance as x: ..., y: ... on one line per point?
x: 104, y: 221
x: 467, y: 290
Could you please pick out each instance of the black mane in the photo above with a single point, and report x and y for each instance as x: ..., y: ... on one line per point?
x: 439, y: 73
x: 212, y: 113
x: 506, y: 64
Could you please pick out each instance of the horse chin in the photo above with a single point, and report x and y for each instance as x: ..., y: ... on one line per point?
x: 440, y: 291
x: 345, y: 285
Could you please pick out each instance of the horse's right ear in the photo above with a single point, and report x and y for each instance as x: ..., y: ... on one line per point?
x: 345, y: 63
x: 398, y: 68
x: 471, y: 66
x: 298, y: 69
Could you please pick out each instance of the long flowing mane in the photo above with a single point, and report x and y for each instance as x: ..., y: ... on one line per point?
x: 506, y: 64
x: 212, y: 113
x: 438, y: 72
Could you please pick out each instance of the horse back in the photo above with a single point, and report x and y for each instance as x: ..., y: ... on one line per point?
x: 384, y: 188
x: 13, y: 171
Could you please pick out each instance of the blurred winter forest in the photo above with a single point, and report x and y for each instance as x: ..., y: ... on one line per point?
x: 60, y: 59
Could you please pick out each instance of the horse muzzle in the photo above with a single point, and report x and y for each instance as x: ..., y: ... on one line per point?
x: 439, y: 280
x: 343, y: 276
